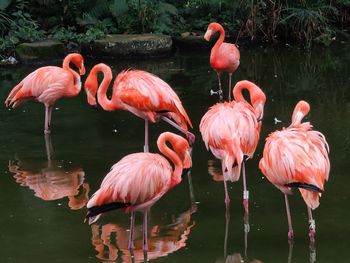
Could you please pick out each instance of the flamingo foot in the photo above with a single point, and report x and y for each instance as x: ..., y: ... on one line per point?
x: 290, y: 234
x: 218, y: 92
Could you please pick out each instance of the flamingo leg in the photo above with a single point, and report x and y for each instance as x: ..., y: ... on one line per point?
x: 49, y: 149
x: 245, y: 191
x: 312, y: 225
x: 220, y: 90
x: 246, y: 231
x: 145, y: 243
x: 146, y: 146
x: 50, y: 113
x: 227, y: 197
x: 227, y: 223
x: 47, y: 125
x: 131, y: 234
x: 229, y: 86
x: 290, y: 227
x: 191, y: 137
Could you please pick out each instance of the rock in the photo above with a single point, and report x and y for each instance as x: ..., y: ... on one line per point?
x: 114, y: 46
x: 193, y: 42
x: 40, y: 51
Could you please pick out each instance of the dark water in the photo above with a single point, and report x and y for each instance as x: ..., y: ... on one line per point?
x: 42, y: 204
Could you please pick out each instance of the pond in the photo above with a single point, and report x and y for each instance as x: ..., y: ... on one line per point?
x: 42, y: 203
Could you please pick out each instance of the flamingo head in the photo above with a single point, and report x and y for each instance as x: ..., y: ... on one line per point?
x: 212, y: 29
x: 258, y: 100
x: 183, y: 150
x: 91, y: 86
x: 78, y: 61
x: 300, y: 111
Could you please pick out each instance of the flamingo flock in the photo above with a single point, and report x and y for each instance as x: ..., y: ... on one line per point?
x: 294, y: 157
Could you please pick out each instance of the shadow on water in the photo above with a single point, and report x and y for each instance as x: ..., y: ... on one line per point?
x: 97, y: 139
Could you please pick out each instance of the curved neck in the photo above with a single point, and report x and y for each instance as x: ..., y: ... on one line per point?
x: 67, y: 60
x: 172, y: 155
x: 239, y: 87
x: 102, y: 98
x: 220, y: 40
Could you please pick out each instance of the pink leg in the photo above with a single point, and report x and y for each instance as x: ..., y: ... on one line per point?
x: 227, y: 197
x: 146, y: 147
x: 48, y: 145
x: 191, y: 137
x: 145, y: 243
x: 47, y: 126
x: 229, y: 86
x: 50, y: 113
x: 245, y: 191
x: 227, y: 222
x: 290, y: 227
x: 131, y: 234
x: 312, y: 225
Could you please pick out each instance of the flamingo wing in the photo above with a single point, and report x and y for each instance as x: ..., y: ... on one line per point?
x: 297, y: 155
x: 148, y: 92
x: 137, y: 178
x: 46, y: 84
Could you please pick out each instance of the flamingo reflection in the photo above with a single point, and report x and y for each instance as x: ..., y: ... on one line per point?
x: 51, y: 180
x: 111, y: 240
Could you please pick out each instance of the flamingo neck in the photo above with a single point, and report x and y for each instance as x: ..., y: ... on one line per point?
x: 172, y: 155
x: 103, y: 100
x: 220, y: 40
x: 240, y: 86
x: 77, y: 80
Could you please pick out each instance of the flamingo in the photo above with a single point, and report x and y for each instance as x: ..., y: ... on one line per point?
x: 48, y: 84
x: 224, y: 57
x: 142, y: 93
x: 297, y: 156
x: 138, y: 180
x: 231, y: 131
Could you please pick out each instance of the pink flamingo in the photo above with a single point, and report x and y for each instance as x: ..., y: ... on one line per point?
x: 48, y: 84
x: 141, y: 93
x: 297, y: 156
x: 138, y: 180
x: 223, y: 56
x: 231, y: 131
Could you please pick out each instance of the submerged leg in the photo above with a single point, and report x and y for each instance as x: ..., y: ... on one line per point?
x: 290, y: 227
x: 227, y: 223
x: 145, y: 243
x: 246, y: 231
x: 191, y: 137
x: 131, y: 234
x: 229, y: 86
x: 312, y: 225
x: 49, y: 149
x: 146, y: 147
x: 47, y: 125
x: 245, y: 191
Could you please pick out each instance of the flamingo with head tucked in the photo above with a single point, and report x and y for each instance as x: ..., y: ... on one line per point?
x: 138, y: 180
x: 297, y: 156
x: 48, y: 84
x: 231, y: 131
x: 224, y: 57
x: 142, y: 93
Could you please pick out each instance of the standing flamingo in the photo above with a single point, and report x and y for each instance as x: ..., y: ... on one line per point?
x: 297, y: 156
x: 231, y: 131
x: 141, y: 93
x: 138, y: 180
x: 48, y: 84
x: 223, y: 56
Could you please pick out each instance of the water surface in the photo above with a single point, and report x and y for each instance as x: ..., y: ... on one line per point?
x: 42, y: 202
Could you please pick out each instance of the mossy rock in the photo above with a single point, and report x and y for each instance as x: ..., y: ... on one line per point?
x: 135, y: 45
x: 40, y: 51
x: 191, y: 42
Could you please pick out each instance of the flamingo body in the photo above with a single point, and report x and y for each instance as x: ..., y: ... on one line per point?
x: 48, y: 84
x: 142, y: 93
x: 231, y: 131
x: 297, y: 156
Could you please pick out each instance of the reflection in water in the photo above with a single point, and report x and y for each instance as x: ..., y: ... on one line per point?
x: 111, y: 240
x: 51, y: 180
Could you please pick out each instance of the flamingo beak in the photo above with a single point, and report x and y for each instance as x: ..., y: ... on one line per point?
x: 298, y: 117
x: 260, y: 111
x: 208, y: 34
x: 82, y: 69
x: 90, y: 98
x: 187, y: 163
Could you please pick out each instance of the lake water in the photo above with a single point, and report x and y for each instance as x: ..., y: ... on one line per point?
x: 42, y: 203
